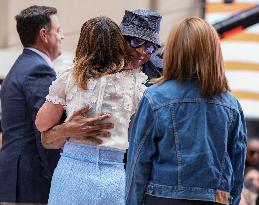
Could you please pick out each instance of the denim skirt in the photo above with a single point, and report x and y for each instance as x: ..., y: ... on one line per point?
x: 86, y: 174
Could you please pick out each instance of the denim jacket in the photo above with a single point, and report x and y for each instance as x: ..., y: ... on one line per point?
x: 185, y: 146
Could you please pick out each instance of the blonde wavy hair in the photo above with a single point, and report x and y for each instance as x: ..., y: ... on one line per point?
x: 101, y: 50
x: 193, y: 51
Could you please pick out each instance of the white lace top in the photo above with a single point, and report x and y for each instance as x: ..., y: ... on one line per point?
x: 117, y: 94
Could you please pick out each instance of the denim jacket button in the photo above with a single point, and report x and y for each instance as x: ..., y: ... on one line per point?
x: 149, y: 189
x: 159, y: 190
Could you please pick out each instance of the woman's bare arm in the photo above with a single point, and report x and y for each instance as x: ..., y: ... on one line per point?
x: 48, y: 116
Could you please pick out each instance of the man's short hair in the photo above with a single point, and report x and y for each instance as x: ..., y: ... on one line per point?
x: 31, y: 20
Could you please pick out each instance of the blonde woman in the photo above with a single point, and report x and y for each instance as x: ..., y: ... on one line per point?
x: 102, y: 77
x: 188, y: 140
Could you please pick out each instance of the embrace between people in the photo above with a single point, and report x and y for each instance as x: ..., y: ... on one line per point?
x: 187, y: 116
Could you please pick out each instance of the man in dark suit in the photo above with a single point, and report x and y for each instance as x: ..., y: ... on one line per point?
x: 25, y: 167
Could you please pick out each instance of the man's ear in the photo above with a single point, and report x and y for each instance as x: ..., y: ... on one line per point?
x: 43, y: 35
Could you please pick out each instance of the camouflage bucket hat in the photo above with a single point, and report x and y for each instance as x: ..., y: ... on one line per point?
x: 144, y: 24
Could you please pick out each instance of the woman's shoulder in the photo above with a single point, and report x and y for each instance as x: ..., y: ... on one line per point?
x: 140, y: 76
x: 119, y: 82
x: 64, y: 73
x: 136, y: 76
x: 230, y: 101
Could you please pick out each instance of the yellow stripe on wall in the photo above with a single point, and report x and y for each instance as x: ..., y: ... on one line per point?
x: 243, y: 36
x: 245, y: 66
x: 229, y: 8
x: 246, y: 95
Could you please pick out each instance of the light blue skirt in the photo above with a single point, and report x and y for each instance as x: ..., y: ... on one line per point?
x: 88, y: 174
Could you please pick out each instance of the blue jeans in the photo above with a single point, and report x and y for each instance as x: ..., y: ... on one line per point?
x: 152, y: 200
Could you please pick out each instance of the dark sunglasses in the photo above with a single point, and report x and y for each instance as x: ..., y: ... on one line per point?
x: 135, y: 42
x: 253, y: 152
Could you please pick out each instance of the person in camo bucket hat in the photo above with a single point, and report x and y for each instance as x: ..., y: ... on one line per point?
x: 141, y: 29
x: 144, y: 24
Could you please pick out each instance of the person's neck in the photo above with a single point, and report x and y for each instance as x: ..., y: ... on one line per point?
x: 42, y: 49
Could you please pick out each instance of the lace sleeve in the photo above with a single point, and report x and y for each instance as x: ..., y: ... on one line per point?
x: 57, y: 94
x: 141, y: 79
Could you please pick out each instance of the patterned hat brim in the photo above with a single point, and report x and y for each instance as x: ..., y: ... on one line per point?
x: 146, y: 34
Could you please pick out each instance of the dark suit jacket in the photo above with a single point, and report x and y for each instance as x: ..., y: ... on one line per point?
x: 26, y: 167
x: 153, y: 68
